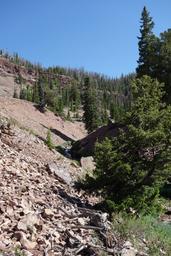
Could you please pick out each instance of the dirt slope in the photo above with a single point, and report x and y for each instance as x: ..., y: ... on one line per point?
x: 6, y: 86
x: 27, y: 116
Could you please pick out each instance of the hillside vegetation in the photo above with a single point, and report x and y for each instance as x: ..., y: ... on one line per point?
x: 62, y: 90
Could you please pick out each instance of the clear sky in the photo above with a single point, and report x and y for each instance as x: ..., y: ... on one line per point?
x: 99, y: 35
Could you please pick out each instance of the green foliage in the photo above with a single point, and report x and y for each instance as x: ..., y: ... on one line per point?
x: 131, y: 168
x: 164, y: 69
x: 49, y: 142
x: 148, y: 46
x: 75, y: 97
x: 116, y: 112
x: 60, y: 88
x: 41, y: 93
x: 35, y: 95
x: 166, y: 190
x: 155, y: 54
x: 90, y: 106
x: 23, y: 93
x: 144, y: 232
x: 18, y: 252
x: 26, y: 92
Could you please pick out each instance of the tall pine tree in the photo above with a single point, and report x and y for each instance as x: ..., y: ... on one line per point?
x: 41, y: 94
x: 164, y: 74
x: 91, y: 116
x: 148, y: 47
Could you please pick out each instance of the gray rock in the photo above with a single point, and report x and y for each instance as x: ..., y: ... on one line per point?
x: 128, y: 252
x: 62, y: 174
x: 127, y: 245
x: 25, y: 243
x: 128, y: 249
x: 47, y: 213
x: 28, y: 222
x: 87, y: 163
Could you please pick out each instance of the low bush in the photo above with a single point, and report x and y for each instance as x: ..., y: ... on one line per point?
x: 146, y: 233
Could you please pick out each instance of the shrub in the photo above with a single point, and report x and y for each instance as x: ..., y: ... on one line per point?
x: 49, y: 142
x: 131, y: 168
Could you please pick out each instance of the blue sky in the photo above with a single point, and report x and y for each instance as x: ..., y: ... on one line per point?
x: 98, y: 35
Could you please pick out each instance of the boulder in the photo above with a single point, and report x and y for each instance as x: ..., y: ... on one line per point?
x: 28, y: 222
x: 47, y: 213
x: 62, y: 174
x: 25, y: 243
x: 87, y: 163
x: 128, y: 249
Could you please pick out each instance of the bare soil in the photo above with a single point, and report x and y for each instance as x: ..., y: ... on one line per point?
x: 27, y: 116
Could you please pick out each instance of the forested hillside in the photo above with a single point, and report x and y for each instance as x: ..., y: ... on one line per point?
x: 63, y: 90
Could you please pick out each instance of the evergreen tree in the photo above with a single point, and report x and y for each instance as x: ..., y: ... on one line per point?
x: 29, y: 93
x: 91, y: 116
x: 23, y: 93
x: 75, y: 96
x: 49, y: 142
x: 116, y: 112
x: 41, y: 94
x: 155, y: 54
x: 164, y: 71
x: 60, y: 106
x: 35, y: 95
x: 148, y: 47
x: 132, y: 167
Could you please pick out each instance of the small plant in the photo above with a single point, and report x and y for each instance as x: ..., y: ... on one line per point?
x: 68, y: 116
x: 12, y: 121
x: 18, y: 252
x: 145, y: 232
x: 49, y: 142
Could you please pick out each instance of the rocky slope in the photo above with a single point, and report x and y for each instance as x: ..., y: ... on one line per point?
x: 41, y: 213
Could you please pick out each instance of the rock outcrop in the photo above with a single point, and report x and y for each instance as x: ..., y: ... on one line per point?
x: 85, y: 147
